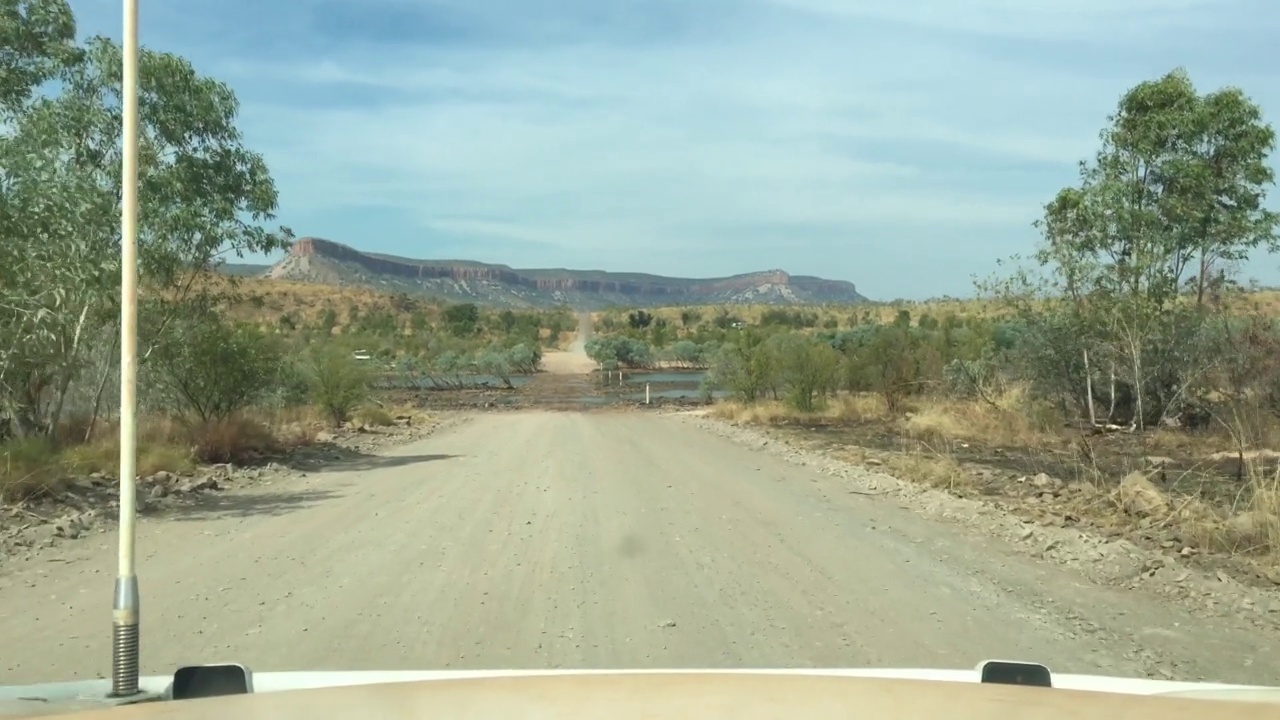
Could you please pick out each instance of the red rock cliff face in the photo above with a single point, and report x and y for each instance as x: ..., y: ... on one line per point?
x: 383, y: 266
x: 507, y: 276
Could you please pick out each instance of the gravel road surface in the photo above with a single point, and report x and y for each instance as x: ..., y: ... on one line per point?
x: 607, y: 539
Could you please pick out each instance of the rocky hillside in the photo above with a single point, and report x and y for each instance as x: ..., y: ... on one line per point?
x: 322, y: 261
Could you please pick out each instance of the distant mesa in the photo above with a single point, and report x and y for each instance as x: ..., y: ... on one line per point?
x: 316, y: 260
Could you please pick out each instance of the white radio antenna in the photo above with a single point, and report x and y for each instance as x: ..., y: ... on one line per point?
x: 125, y: 606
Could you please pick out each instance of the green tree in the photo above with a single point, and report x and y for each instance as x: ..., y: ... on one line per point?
x: 463, y: 319
x: 602, y: 350
x: 507, y: 321
x: 497, y: 363
x: 212, y: 368
x: 660, y: 333
x: 37, y: 42
x: 807, y: 368
x: 687, y: 353
x: 524, y: 357
x: 745, y: 367
x: 1177, y: 187
x: 60, y: 154
x: 620, y: 351
x: 339, y: 383
x: 640, y: 319
x: 328, y: 320
x: 1178, y: 184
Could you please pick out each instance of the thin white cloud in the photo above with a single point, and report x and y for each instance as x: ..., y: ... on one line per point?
x: 645, y: 139
x: 1032, y: 19
x: 922, y: 134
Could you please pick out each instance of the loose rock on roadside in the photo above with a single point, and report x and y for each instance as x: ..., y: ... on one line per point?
x: 90, y: 504
x: 1045, y: 523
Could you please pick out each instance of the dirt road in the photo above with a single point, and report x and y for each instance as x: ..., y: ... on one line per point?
x: 574, y: 360
x: 542, y: 539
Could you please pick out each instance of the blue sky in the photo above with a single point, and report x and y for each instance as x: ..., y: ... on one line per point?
x: 905, y: 145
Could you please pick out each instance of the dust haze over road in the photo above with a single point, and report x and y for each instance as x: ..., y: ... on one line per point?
x: 579, y: 345
x: 574, y: 360
x: 617, y: 539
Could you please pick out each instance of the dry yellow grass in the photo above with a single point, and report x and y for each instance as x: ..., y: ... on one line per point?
x: 1250, y: 526
x: 268, y: 300
x: 374, y: 416
x: 35, y: 466
x: 844, y: 408
x: 1008, y: 419
x: 1262, y: 301
x: 1011, y: 419
x: 1263, y: 512
x: 844, y: 316
x: 932, y: 466
x: 936, y: 469
x: 939, y: 437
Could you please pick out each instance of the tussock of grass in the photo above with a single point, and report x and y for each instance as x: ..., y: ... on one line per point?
x: 374, y: 416
x: 236, y: 439
x: 411, y: 414
x: 844, y: 408
x: 27, y: 468
x: 104, y: 457
x: 1251, y: 528
x: 936, y: 469
x: 34, y: 467
x: 1010, y: 419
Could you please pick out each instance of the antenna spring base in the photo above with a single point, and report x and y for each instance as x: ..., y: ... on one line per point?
x: 125, y: 638
x: 124, y: 659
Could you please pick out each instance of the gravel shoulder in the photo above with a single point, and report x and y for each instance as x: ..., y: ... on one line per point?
x: 628, y: 539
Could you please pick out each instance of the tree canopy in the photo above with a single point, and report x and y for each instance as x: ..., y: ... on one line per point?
x: 203, y: 195
x: 1134, y: 255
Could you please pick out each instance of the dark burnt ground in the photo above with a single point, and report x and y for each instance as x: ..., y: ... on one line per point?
x: 1186, y: 467
x: 1178, y: 463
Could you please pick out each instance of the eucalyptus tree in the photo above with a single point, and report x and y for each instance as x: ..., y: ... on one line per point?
x: 203, y: 195
x: 1134, y: 252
